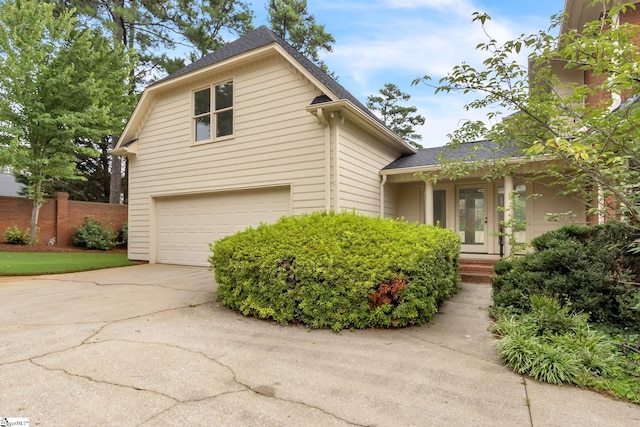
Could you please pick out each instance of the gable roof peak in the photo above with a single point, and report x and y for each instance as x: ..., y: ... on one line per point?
x: 259, y: 37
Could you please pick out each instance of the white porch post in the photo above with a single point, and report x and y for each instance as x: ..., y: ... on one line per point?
x: 508, y: 213
x: 601, y: 206
x: 428, y: 203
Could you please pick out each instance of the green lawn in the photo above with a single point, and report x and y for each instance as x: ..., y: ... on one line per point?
x: 32, y: 263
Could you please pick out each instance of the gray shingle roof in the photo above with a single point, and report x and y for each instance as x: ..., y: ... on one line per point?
x: 478, y: 150
x: 260, y: 37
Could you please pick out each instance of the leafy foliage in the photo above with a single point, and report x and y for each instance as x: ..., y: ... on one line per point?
x: 291, y: 20
x: 15, y: 236
x: 337, y: 270
x: 553, y: 345
x: 58, y: 83
x: 155, y: 30
x: 589, y: 267
x: 398, y: 118
x: 592, y: 137
x: 123, y: 235
x: 92, y: 235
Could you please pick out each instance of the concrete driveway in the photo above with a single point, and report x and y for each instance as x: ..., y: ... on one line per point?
x: 148, y: 345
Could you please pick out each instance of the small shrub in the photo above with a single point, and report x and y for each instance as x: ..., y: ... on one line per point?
x: 92, y: 235
x: 589, y: 267
x: 14, y: 236
x: 555, y: 346
x: 337, y: 270
x: 123, y: 235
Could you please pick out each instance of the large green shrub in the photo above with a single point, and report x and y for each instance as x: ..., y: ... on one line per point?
x: 92, y: 235
x: 589, y: 266
x: 338, y: 270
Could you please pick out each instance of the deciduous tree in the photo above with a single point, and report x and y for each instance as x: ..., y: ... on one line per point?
x: 58, y: 82
x: 593, y: 129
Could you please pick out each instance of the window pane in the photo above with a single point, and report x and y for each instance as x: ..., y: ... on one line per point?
x: 203, y: 128
x: 471, y: 216
x: 224, y: 96
x: 440, y: 208
x: 224, y: 124
x: 202, y: 102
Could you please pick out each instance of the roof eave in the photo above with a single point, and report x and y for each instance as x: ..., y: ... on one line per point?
x: 435, y: 168
x: 360, y: 117
x: 130, y: 150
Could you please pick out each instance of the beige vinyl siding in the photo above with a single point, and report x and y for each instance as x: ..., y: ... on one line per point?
x: 550, y: 202
x: 275, y: 142
x: 391, y: 200
x: 411, y: 202
x: 360, y: 159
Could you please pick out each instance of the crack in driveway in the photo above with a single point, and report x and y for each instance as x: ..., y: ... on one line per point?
x: 141, y: 285
x: 93, y: 339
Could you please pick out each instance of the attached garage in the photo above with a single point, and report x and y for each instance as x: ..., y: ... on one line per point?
x: 186, y: 225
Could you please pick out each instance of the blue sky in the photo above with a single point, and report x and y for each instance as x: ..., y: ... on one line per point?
x: 396, y: 41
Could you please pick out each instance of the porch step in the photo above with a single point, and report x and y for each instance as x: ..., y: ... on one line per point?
x: 476, y: 271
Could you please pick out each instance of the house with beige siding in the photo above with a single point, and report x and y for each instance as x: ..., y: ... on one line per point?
x: 255, y: 131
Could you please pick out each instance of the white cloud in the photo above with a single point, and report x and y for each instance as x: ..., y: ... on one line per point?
x: 400, y: 40
x: 447, y: 5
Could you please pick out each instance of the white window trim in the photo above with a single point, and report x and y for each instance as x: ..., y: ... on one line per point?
x: 212, y: 114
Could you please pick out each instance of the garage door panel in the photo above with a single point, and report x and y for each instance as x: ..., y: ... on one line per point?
x: 186, y: 225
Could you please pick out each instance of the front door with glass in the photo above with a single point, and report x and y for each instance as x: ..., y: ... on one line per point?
x: 472, y: 218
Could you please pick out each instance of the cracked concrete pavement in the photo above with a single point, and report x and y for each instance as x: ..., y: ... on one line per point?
x: 148, y: 345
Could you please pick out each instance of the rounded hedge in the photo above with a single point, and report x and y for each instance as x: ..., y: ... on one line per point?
x: 338, y: 270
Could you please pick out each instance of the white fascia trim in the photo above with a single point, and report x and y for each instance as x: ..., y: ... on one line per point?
x: 434, y: 168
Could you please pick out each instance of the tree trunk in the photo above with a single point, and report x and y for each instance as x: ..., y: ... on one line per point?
x: 115, y: 189
x: 33, y: 231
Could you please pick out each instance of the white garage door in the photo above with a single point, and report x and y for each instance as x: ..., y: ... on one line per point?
x: 186, y: 225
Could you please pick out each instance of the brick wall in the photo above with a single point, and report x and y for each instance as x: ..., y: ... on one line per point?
x: 604, y: 98
x: 59, y: 217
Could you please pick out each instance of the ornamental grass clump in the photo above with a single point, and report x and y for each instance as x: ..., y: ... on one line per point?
x: 553, y: 345
x: 338, y: 270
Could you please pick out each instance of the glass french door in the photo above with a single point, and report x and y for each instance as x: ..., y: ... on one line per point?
x: 471, y: 222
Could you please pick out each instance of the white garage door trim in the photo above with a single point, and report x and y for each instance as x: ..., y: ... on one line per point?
x: 186, y: 225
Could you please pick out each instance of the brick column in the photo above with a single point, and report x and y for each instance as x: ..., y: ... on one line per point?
x: 62, y: 226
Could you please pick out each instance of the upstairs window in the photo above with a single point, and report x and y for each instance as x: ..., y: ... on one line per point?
x: 213, y: 112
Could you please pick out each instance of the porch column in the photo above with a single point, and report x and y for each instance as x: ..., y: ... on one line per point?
x: 602, y: 207
x: 428, y: 203
x: 508, y: 213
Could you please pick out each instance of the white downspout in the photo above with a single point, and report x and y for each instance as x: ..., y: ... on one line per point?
x: 334, y: 126
x: 382, y: 183
x: 327, y: 158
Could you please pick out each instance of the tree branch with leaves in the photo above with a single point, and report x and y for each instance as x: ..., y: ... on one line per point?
x: 58, y: 83
x: 593, y: 140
